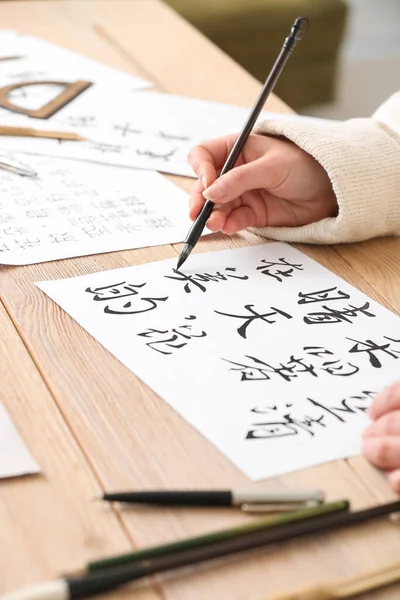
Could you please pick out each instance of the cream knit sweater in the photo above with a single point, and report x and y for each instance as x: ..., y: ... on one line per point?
x: 362, y: 159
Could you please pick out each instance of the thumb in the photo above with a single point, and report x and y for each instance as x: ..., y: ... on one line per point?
x: 228, y: 187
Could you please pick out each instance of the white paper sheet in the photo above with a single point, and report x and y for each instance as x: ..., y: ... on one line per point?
x: 78, y: 64
x: 36, y: 60
x: 147, y: 130
x: 75, y: 209
x: 269, y: 355
x: 14, y: 456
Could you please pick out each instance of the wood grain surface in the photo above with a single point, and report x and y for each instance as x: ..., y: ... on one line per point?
x: 92, y: 425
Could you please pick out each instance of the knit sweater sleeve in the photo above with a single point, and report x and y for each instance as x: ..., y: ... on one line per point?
x: 362, y: 159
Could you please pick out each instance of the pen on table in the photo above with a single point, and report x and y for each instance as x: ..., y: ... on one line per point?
x: 299, y: 28
x: 87, y: 584
x: 268, y: 523
x: 9, y: 164
x: 262, y: 500
x: 322, y: 518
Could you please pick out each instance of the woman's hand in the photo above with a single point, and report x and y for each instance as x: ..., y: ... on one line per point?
x: 381, y: 440
x: 275, y: 183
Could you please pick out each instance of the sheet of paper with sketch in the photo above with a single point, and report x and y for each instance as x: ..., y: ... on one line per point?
x: 75, y: 209
x: 26, y: 59
x: 147, y: 130
x: 270, y: 356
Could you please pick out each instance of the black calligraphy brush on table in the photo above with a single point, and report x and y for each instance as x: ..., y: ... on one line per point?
x: 325, y: 518
x: 299, y: 28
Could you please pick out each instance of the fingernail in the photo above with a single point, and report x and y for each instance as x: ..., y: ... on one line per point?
x: 213, y: 193
x: 204, y: 182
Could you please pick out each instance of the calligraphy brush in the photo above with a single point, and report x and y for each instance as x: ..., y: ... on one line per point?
x: 40, y: 133
x: 217, y: 536
x: 83, y: 586
x: 86, y: 584
x: 299, y: 28
x: 350, y: 587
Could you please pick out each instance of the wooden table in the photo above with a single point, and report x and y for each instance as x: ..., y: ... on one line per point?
x: 92, y: 425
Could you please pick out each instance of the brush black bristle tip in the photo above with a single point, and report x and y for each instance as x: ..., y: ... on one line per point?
x: 186, y: 250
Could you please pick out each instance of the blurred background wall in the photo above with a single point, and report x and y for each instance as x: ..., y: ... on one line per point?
x: 346, y: 66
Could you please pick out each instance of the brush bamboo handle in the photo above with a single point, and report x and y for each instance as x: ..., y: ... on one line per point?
x: 29, y: 132
x: 348, y: 588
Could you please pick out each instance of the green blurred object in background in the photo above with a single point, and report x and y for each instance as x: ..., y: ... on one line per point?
x: 252, y: 32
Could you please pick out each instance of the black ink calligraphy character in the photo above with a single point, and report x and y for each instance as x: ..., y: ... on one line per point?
x: 82, y: 121
x: 15, y: 231
x: 126, y: 309
x: 175, y: 336
x: 270, y: 430
x: 331, y: 315
x: 335, y: 367
x: 133, y: 201
x: 126, y: 129
x: 141, y: 211
x: 103, y: 147
x: 170, y: 136
x: 371, y: 348
x: 69, y: 209
x: 260, y: 370
x: 317, y: 350
x: 347, y: 406
x: 254, y: 316
x: 4, y: 248
x: 39, y: 213
x: 158, y: 222
x: 123, y: 290
x: 116, y: 290
x: 300, y: 366
x: 332, y: 367
x: 322, y: 296
x: 6, y: 218
x: 204, y: 277
x: 150, y: 154
x: 288, y: 425
x: 278, y: 273
x: 24, y: 244
x: 267, y: 409
x: 94, y: 232
x: 60, y: 238
x: 129, y: 227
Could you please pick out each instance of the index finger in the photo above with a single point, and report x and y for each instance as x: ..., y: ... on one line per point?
x: 208, y: 157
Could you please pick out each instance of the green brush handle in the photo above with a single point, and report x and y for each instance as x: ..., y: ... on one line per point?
x: 226, y: 534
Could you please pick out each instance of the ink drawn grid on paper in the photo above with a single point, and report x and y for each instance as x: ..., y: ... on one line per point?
x: 71, y: 209
x: 269, y: 355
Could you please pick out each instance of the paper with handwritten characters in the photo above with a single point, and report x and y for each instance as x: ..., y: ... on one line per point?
x: 75, y: 209
x: 15, y: 458
x: 147, y: 130
x: 145, y: 151
x: 269, y: 355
